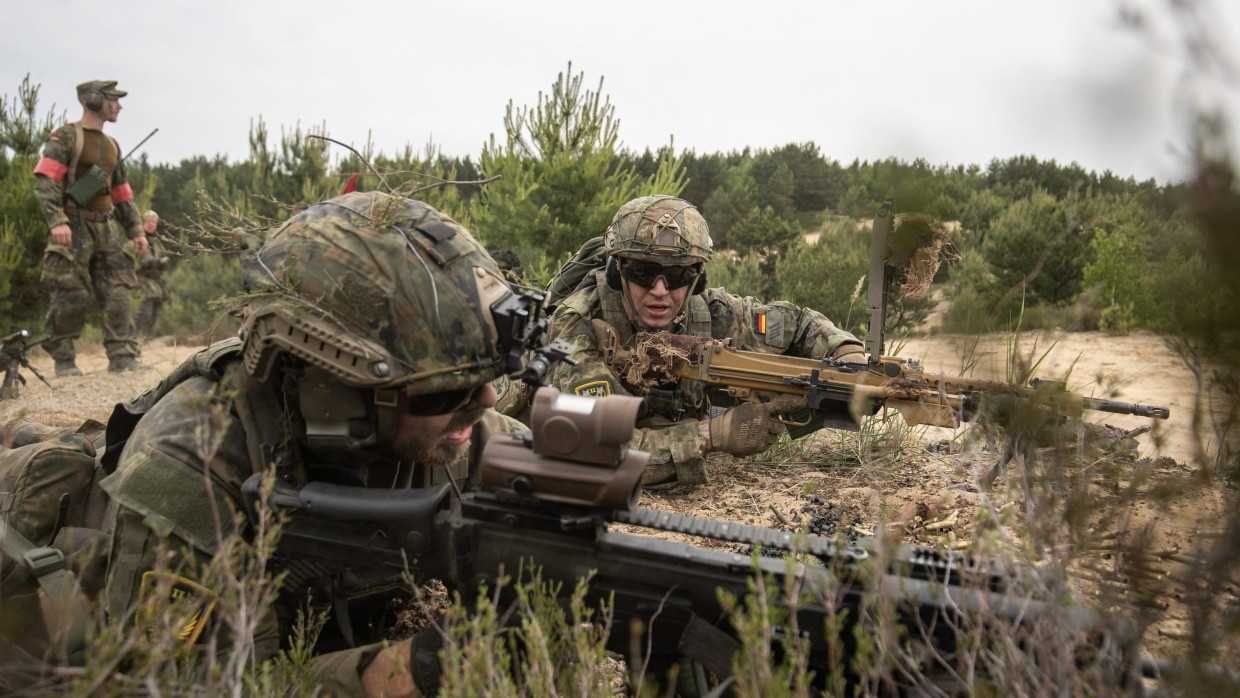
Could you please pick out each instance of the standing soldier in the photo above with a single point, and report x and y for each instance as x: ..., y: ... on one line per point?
x: 151, y: 268
x: 82, y: 185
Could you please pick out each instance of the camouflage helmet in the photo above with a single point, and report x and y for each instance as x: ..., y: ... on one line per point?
x: 381, y: 291
x: 656, y: 228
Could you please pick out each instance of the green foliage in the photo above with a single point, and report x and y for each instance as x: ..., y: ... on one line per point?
x: 829, y: 276
x: 730, y: 203
x: 560, y: 181
x: 1120, y: 273
x: 198, y: 284
x: 1038, y: 237
x: 23, y: 231
x: 557, y: 649
x: 770, y: 238
x: 972, y: 294
x: 736, y: 274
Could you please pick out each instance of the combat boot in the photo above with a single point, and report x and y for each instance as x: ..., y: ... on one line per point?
x: 122, y: 364
x: 67, y: 368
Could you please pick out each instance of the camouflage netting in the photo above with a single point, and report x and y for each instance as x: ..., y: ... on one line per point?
x: 651, y: 357
x: 918, y: 245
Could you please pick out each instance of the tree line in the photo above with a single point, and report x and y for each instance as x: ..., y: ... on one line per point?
x: 1034, y: 242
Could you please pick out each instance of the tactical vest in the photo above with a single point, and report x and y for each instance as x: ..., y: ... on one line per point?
x: 106, y: 155
x: 673, y: 401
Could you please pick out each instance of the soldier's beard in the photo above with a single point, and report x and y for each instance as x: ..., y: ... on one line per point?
x: 432, y: 450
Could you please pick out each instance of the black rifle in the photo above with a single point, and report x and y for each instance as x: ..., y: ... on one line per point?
x: 15, y: 350
x: 548, y: 498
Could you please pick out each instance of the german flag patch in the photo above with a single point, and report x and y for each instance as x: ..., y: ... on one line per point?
x: 759, y: 323
x: 593, y: 389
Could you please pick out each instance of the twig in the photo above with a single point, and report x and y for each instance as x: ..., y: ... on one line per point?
x: 365, y: 162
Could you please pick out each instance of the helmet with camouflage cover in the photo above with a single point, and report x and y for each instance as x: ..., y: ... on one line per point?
x: 661, y: 229
x: 380, y: 292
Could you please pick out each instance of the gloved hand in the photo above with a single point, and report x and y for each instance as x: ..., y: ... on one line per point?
x: 749, y: 428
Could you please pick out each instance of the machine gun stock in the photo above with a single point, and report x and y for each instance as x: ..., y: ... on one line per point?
x: 550, y: 498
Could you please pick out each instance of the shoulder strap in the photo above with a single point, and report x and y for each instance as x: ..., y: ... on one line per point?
x: 79, y: 140
x: 66, y: 612
x: 207, y: 363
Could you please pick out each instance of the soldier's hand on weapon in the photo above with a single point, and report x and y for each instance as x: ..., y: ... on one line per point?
x: 140, y: 245
x: 62, y: 234
x: 748, y: 429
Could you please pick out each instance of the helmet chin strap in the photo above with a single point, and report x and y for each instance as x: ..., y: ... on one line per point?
x: 631, y: 310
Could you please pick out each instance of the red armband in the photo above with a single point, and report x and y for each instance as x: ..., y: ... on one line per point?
x: 122, y: 193
x: 51, y: 169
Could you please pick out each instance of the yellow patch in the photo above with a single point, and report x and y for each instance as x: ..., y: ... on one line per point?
x: 187, y: 604
x: 594, y: 389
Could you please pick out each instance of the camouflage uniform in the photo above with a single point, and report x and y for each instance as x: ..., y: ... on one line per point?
x: 97, y: 261
x: 668, y: 428
x: 152, y: 286
x: 158, y: 488
x: 346, y: 284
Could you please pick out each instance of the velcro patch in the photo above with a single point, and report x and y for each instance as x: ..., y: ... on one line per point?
x: 593, y: 389
x: 192, y: 602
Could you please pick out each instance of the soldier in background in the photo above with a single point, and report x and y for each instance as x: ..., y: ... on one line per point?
x: 82, y: 188
x: 655, y: 281
x: 151, y: 267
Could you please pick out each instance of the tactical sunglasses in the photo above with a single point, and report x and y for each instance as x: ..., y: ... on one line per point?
x: 646, y: 274
x: 447, y: 401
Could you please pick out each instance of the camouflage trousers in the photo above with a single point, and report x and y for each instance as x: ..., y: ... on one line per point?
x: 97, y: 263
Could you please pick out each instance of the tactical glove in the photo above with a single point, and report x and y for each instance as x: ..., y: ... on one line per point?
x: 749, y: 428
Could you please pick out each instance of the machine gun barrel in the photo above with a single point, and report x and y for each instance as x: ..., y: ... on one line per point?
x: 848, y: 392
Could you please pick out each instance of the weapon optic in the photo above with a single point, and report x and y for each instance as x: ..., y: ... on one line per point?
x: 549, y: 497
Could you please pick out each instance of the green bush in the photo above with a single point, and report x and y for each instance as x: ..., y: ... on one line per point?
x: 199, y: 285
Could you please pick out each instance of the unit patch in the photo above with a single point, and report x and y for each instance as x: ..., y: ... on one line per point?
x: 594, y: 389
x: 191, y: 603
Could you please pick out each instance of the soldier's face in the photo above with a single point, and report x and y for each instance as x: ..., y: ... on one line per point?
x: 439, y: 440
x: 111, y: 109
x: 657, y: 306
x: 149, y: 225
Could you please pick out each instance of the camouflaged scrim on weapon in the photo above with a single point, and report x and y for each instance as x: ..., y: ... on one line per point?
x: 549, y: 498
x: 839, y: 394
x: 15, y: 352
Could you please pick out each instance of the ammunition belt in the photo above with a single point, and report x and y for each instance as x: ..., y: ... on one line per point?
x: 740, y: 533
x: 89, y: 214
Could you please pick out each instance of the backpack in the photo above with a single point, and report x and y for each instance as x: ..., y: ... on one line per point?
x: 51, y: 513
x: 575, y: 274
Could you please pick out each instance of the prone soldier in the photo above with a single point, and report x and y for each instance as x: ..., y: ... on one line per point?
x: 83, y: 190
x: 654, y: 280
x: 346, y: 372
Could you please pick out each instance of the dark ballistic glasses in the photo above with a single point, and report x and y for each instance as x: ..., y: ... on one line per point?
x: 447, y: 401
x: 646, y: 274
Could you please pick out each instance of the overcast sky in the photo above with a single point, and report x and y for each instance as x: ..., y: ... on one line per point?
x: 954, y: 82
